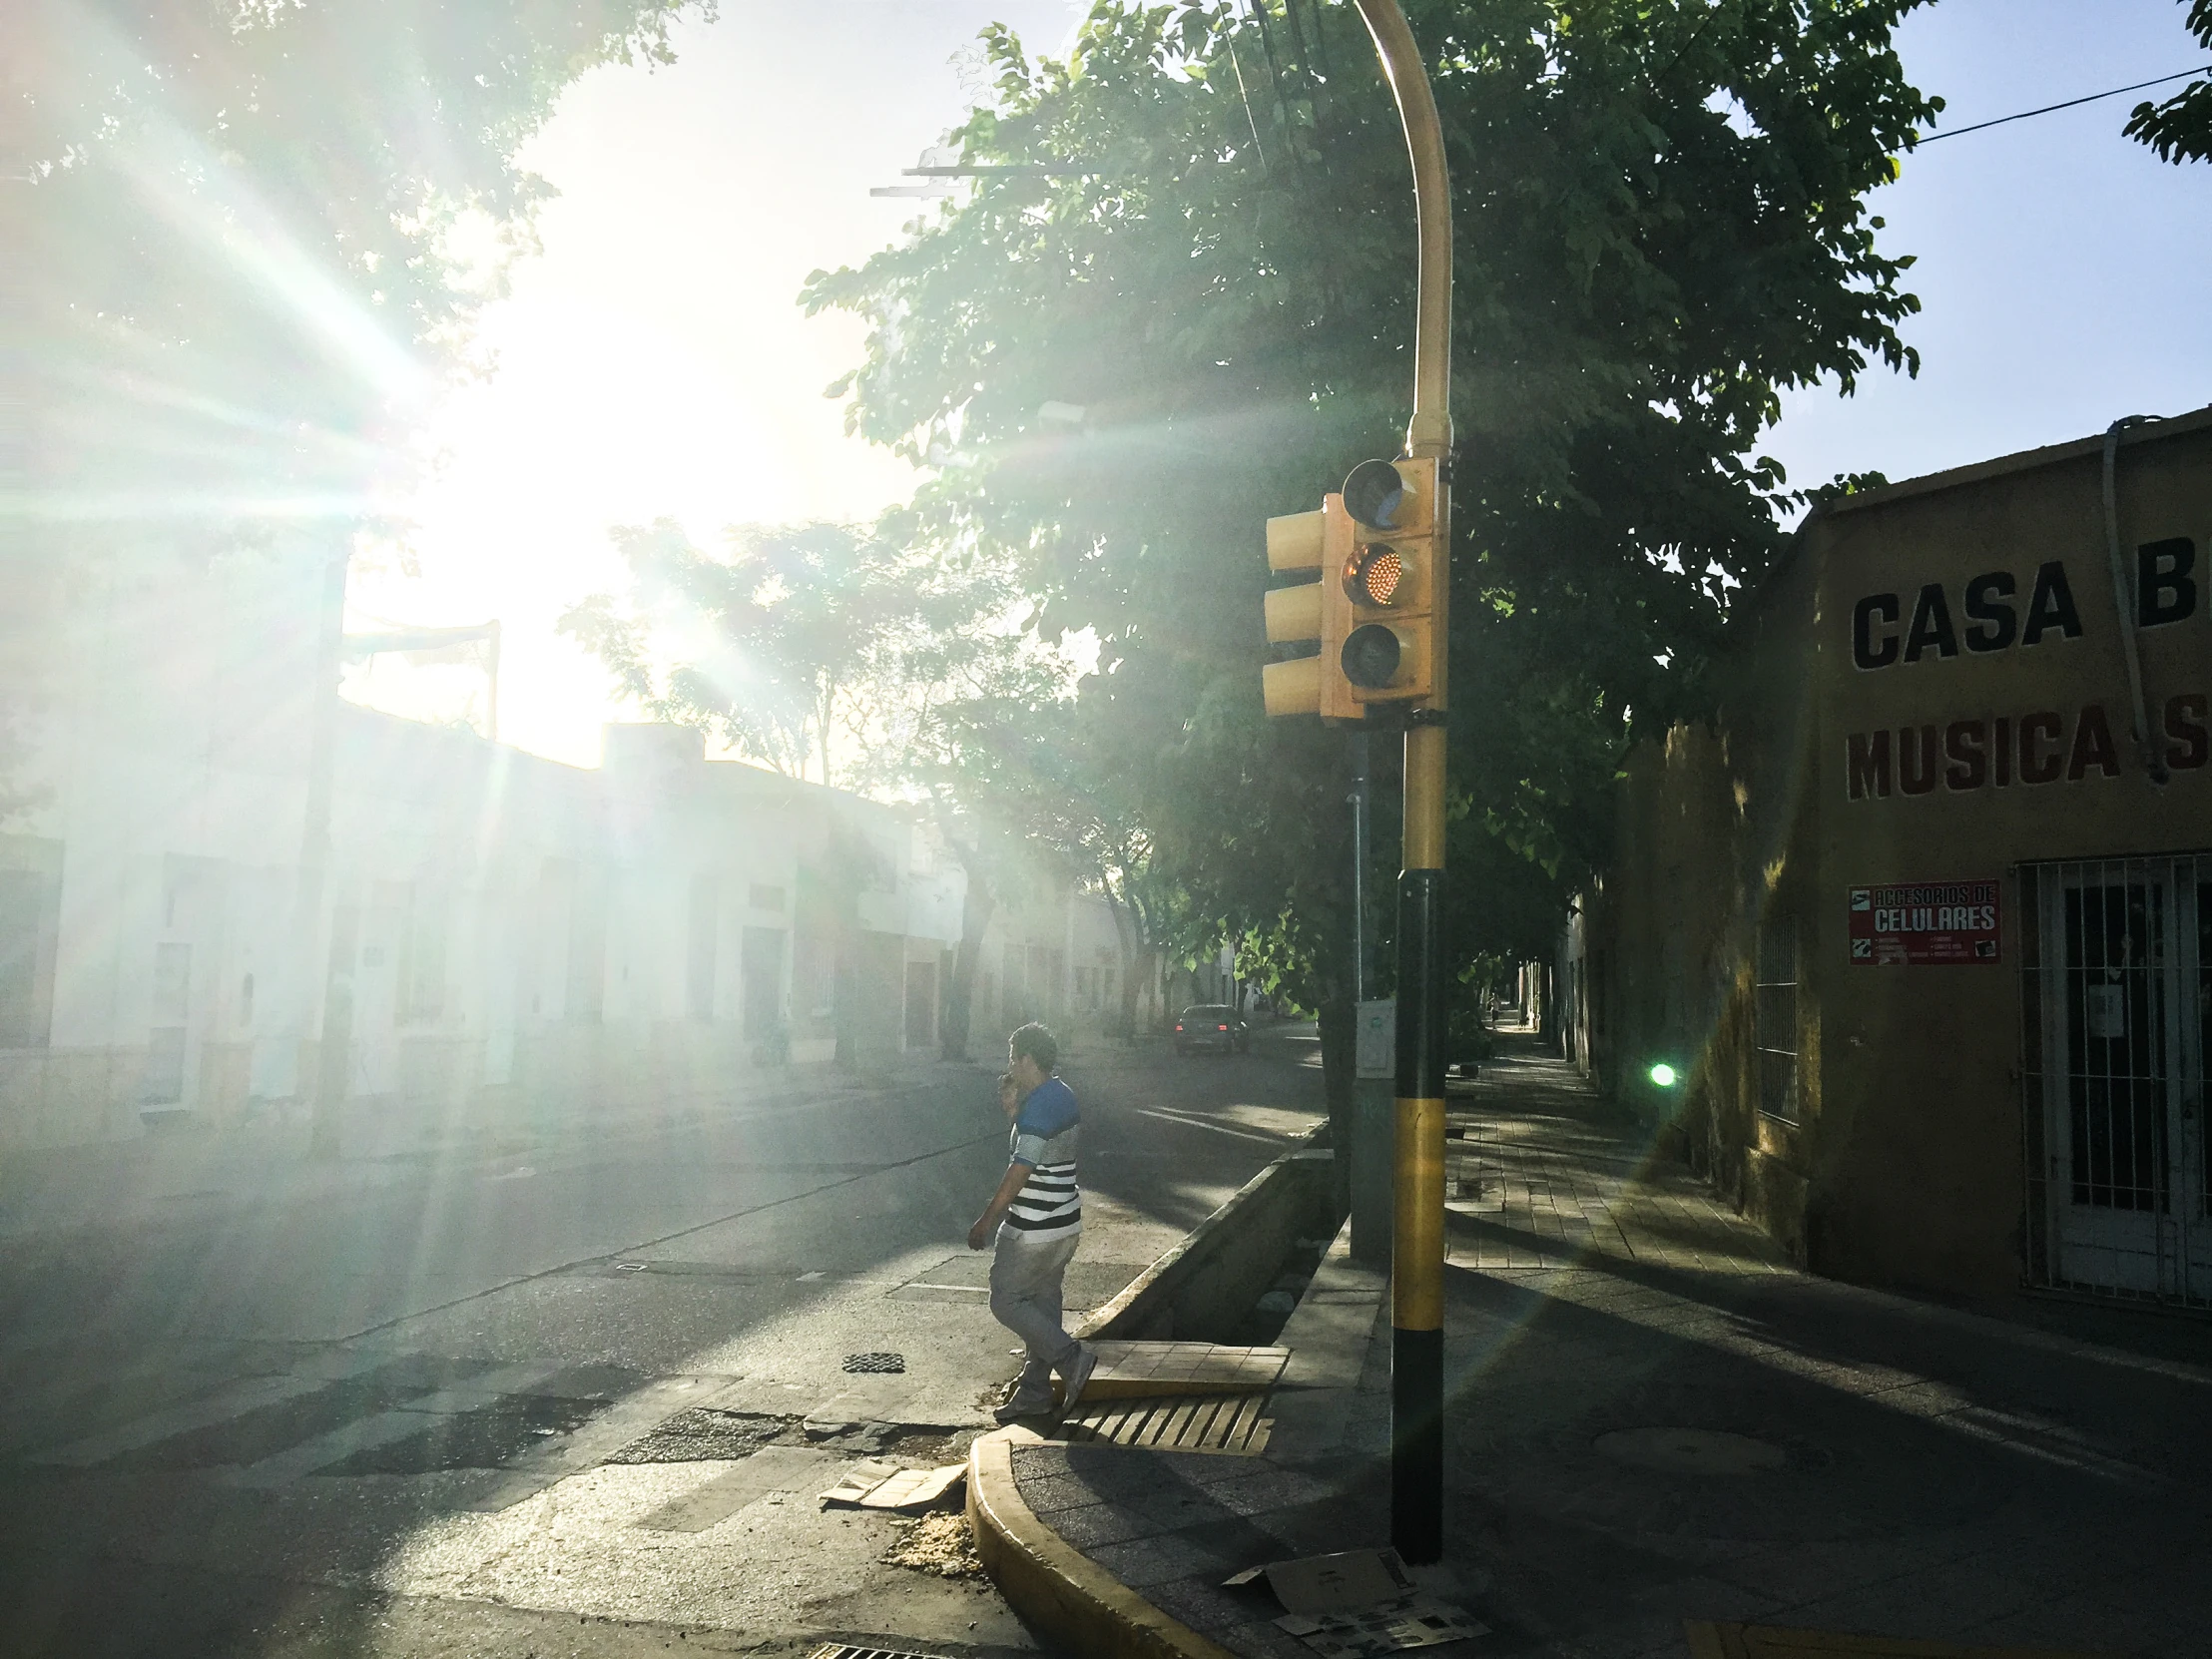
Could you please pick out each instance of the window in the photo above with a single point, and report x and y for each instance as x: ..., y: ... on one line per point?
x: 172, y: 982
x: 422, y: 956
x: 27, y: 899
x: 702, y: 946
x: 1774, y: 1017
x: 587, y: 949
x: 164, y: 1083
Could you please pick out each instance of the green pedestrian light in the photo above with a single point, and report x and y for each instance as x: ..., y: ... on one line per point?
x: 1663, y: 1075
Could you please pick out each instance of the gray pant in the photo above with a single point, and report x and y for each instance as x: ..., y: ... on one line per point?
x: 1025, y: 1297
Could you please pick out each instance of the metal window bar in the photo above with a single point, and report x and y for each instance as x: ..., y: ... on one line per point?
x: 1774, y: 1017
x: 2115, y: 966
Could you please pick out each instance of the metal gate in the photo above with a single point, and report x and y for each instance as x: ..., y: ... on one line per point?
x: 2116, y: 964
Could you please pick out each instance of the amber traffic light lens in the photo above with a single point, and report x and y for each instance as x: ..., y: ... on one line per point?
x: 1370, y: 655
x: 1373, y: 576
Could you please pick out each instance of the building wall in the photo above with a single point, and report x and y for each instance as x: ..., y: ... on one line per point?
x: 496, y: 920
x: 1857, y: 747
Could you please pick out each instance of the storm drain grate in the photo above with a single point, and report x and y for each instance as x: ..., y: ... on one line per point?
x: 1208, y: 1422
x: 875, y: 1362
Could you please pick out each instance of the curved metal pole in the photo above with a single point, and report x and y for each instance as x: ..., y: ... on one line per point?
x: 1429, y: 433
x: 1417, y: 1174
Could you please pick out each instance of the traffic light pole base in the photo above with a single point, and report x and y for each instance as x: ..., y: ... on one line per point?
x: 1417, y: 1444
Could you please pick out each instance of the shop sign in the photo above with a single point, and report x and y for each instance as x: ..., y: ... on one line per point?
x: 1919, y: 923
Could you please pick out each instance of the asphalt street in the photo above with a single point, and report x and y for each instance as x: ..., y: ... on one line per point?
x: 547, y: 1388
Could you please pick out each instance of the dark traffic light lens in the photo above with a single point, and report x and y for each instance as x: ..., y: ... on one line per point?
x: 1373, y: 576
x: 1373, y: 494
x: 1370, y: 657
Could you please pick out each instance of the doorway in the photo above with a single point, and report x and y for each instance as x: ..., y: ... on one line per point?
x: 2118, y: 968
x: 921, y: 1005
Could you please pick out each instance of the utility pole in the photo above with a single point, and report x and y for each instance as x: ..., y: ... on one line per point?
x: 1417, y: 1229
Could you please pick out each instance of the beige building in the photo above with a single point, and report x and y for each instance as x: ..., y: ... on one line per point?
x: 1923, y: 918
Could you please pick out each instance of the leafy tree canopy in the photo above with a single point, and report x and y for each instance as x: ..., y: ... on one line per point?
x: 1195, y: 312
x: 247, y: 230
x: 2180, y: 129
x: 803, y: 643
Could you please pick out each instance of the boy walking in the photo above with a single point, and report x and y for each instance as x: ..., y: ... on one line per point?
x: 1036, y: 1221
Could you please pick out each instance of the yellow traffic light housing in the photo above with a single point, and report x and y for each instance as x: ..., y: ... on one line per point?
x: 1394, y: 618
x: 1377, y: 610
x: 1317, y: 542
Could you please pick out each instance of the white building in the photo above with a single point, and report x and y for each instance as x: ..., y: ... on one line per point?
x: 172, y: 943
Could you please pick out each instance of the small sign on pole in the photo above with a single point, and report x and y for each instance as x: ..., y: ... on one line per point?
x: 1375, y: 1049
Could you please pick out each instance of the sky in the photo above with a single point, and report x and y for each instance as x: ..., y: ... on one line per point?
x: 651, y: 361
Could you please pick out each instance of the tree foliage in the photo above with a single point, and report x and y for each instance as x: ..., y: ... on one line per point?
x: 800, y: 644
x: 249, y: 235
x: 1660, y: 224
x: 2180, y: 129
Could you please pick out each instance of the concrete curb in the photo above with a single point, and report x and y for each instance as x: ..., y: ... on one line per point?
x: 1227, y: 1260
x: 1054, y: 1586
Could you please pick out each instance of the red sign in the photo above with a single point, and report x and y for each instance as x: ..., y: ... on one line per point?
x: 1924, y: 922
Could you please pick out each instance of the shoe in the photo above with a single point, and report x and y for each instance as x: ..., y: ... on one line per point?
x: 1022, y: 1405
x: 1078, y: 1374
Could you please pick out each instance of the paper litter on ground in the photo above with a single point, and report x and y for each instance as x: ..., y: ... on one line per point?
x: 1386, y: 1627
x: 876, y: 1485
x: 1359, y: 1604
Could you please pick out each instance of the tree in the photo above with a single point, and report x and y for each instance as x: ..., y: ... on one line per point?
x: 810, y: 633
x: 2180, y: 129
x: 251, y: 239
x: 1661, y: 222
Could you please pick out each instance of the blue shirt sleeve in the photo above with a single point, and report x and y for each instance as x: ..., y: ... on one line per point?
x: 1048, y: 1110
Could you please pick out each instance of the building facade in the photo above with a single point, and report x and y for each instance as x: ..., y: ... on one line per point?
x: 1923, y: 916
x: 178, y: 941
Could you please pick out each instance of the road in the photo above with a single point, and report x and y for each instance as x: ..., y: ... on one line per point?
x: 569, y: 1388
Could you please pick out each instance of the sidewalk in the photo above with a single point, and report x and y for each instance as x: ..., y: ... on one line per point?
x: 1652, y: 1418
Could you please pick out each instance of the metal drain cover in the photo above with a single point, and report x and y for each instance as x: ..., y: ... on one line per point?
x: 863, y: 1362
x: 1691, y: 1450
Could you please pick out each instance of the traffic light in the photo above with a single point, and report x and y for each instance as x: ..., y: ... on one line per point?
x: 1317, y: 610
x: 1391, y: 641
x: 1376, y: 611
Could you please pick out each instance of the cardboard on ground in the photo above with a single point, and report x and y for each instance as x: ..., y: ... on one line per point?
x: 1358, y: 1604
x: 876, y: 1485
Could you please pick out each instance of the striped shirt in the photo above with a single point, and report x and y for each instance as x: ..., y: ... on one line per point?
x: 1043, y: 1142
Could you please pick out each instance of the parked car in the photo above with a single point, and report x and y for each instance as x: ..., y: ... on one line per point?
x: 1209, y: 1025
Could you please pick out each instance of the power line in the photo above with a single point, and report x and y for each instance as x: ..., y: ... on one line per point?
x: 1962, y: 132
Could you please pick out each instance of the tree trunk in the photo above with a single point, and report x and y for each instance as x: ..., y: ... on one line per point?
x: 1125, y: 1024
x: 977, y: 907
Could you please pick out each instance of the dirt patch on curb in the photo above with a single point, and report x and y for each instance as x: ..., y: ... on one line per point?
x: 939, y: 1543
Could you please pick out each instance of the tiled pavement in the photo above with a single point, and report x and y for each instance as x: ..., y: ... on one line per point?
x: 1652, y: 1416
x: 1544, y: 1183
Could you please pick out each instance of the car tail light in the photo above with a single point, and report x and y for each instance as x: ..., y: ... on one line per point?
x: 1221, y: 1027
x: 1179, y: 1026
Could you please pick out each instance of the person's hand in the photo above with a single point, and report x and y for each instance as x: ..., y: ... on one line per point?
x: 979, y: 1235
